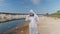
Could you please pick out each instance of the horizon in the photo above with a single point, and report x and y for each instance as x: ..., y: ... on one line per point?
x: 24, y: 6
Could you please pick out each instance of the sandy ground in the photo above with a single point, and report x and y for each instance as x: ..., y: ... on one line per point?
x: 23, y: 28
x: 49, y: 25
x: 46, y: 25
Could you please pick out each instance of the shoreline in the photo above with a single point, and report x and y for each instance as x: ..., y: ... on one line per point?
x: 23, y: 28
x: 11, y: 20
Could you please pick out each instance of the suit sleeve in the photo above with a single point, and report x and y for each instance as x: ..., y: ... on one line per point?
x: 27, y: 18
x: 37, y: 18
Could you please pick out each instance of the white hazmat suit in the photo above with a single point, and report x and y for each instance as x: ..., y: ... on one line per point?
x: 33, y: 23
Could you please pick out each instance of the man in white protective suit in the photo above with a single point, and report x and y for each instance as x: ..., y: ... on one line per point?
x: 33, y: 20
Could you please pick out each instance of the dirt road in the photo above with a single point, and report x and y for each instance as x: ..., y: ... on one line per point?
x: 49, y: 25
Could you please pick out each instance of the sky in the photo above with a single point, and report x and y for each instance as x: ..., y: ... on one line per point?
x: 23, y: 6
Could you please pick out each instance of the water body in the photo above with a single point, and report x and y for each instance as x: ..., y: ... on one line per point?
x: 9, y: 25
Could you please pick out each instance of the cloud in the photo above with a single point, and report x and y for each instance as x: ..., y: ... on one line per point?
x: 35, y: 1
